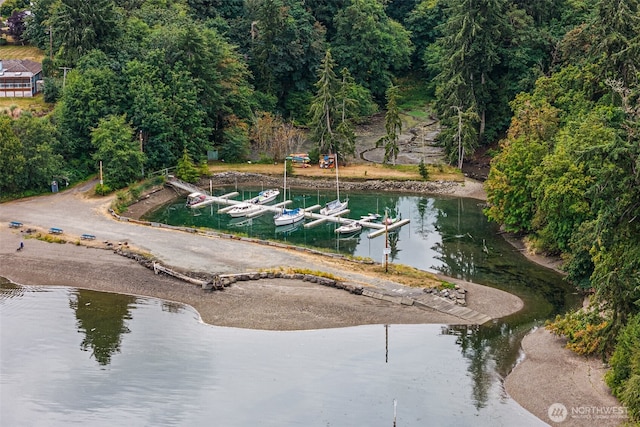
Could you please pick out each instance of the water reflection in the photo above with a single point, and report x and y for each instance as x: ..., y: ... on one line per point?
x: 492, y: 351
x: 102, y: 318
x: 439, y: 375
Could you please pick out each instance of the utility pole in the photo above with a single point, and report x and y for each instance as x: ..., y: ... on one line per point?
x: 386, y: 244
x: 50, y: 42
x: 142, y: 151
x: 64, y: 78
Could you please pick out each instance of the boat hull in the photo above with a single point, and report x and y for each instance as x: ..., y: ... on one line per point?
x: 264, y: 197
x: 349, y: 229
x: 288, y: 217
x: 244, y: 209
x: 334, y: 207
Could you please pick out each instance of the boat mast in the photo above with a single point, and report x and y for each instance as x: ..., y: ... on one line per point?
x: 337, y: 185
x: 284, y: 198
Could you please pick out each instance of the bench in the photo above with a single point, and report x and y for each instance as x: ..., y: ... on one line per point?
x: 88, y: 237
x: 15, y: 224
x: 54, y: 230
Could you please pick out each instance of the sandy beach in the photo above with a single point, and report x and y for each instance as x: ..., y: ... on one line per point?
x: 548, y: 373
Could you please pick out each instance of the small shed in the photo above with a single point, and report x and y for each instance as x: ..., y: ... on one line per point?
x: 20, y: 78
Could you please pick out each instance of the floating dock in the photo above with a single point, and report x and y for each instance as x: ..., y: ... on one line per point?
x: 317, y: 218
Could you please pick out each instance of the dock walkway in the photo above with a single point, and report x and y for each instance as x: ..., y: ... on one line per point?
x: 309, y: 213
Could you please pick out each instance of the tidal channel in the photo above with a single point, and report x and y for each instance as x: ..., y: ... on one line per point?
x: 70, y: 356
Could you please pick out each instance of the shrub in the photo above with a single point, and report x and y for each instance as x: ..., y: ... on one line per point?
x: 290, y: 170
x: 265, y: 159
x: 422, y: 168
x: 581, y: 328
x: 624, y: 375
x: 631, y: 397
x: 102, y: 189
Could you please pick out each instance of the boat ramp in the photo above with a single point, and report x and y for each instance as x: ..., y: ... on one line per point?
x: 316, y: 218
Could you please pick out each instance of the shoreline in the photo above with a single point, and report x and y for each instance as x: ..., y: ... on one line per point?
x: 268, y: 304
x: 89, y: 268
x: 247, y: 305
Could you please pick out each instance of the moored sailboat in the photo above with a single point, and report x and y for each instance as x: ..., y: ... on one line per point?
x: 288, y: 216
x: 336, y: 205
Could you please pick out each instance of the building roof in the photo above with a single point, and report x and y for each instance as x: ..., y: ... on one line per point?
x: 19, y: 67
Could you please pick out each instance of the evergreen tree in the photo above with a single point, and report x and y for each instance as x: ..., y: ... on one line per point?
x: 330, y: 111
x: 83, y: 26
x: 393, y: 126
x: 371, y: 45
x: 469, y: 51
x: 120, y: 154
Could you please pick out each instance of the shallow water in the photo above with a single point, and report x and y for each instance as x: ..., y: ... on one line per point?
x: 71, y: 357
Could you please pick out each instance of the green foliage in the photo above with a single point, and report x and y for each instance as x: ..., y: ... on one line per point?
x: 393, y: 126
x: 330, y: 111
x: 624, y: 375
x: 186, y: 170
x: 82, y: 26
x: 314, y: 156
x: 370, y: 44
x: 286, y: 47
x: 52, y: 90
x: 12, y: 160
x: 583, y: 330
x: 265, y: 160
x: 236, y: 143
x: 102, y: 189
x: 9, y: 6
x: 27, y: 159
x: 38, y: 137
x: 290, y: 169
x: 119, y: 152
x: 422, y: 168
x: 510, y: 190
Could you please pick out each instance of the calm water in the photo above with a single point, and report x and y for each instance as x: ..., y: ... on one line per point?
x: 71, y: 356
x: 76, y: 357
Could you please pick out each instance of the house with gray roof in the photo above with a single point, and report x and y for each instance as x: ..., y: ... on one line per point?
x: 20, y: 78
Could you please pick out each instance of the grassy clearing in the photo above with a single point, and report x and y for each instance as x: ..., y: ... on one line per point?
x: 15, y: 106
x: 353, y: 172
x: 408, y: 276
x: 21, y: 52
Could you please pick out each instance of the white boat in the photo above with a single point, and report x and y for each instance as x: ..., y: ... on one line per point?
x: 244, y: 209
x: 195, y: 200
x: 265, y: 196
x: 349, y: 228
x: 289, y: 216
x: 371, y: 217
x: 336, y: 205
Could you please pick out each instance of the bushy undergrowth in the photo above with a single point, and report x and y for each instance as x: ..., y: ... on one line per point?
x: 581, y: 328
x: 126, y: 197
x: 624, y: 375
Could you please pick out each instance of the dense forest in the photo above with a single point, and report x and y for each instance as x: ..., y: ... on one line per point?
x: 551, y: 86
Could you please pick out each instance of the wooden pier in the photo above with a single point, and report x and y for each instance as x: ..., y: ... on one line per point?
x: 309, y: 213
